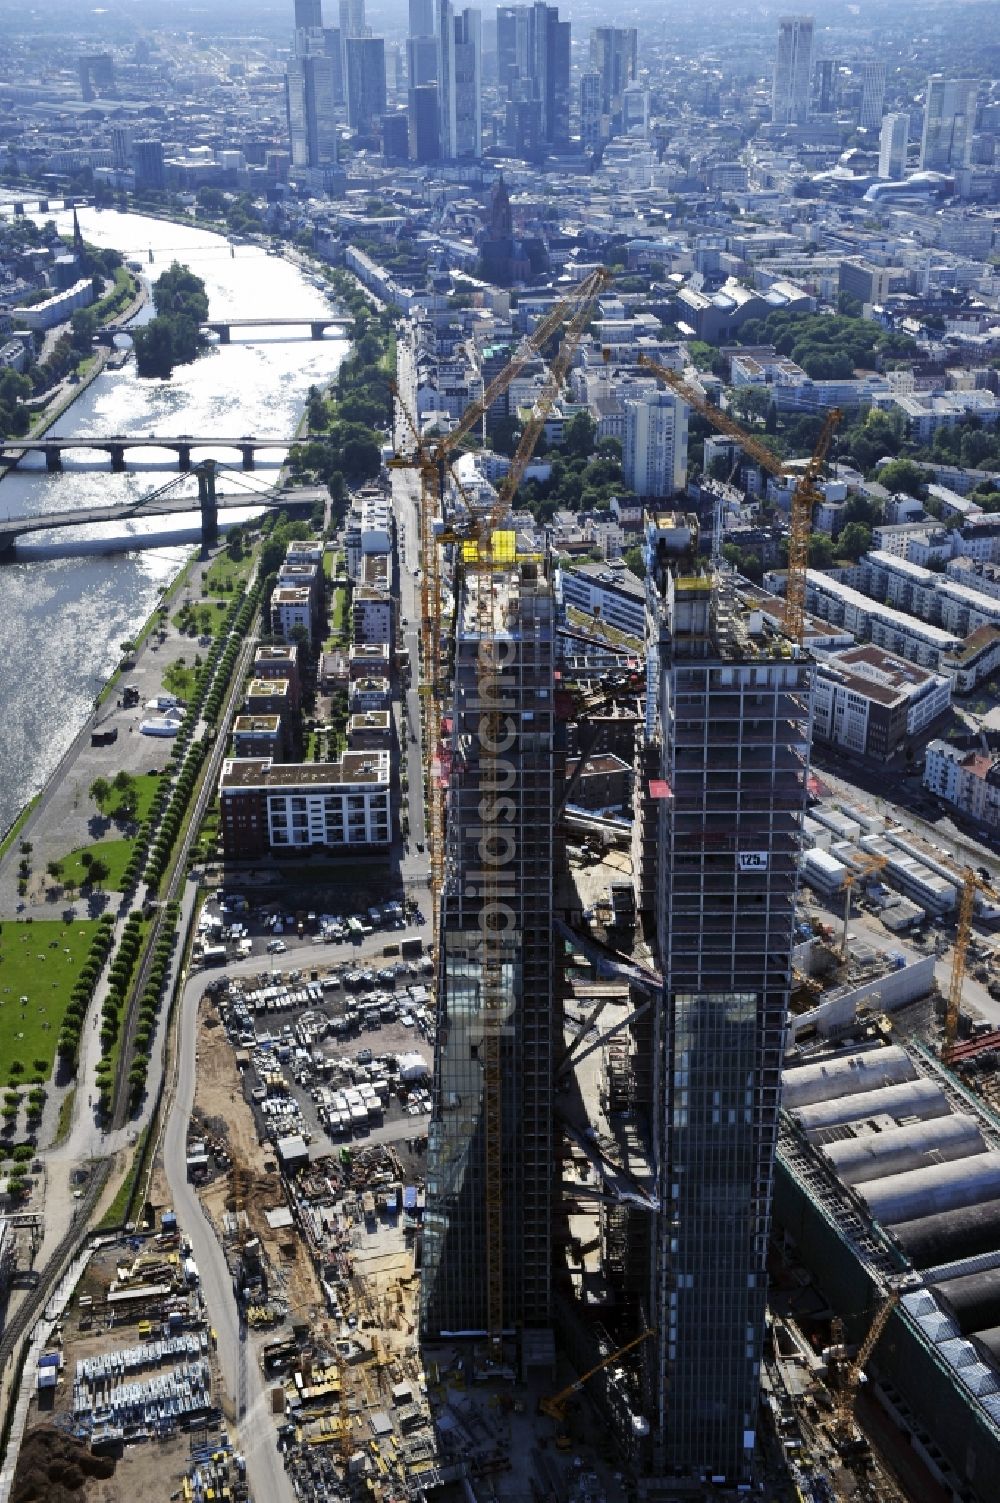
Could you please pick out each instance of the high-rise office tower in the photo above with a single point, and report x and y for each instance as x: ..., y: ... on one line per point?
x: 459, y: 80
x: 352, y: 24
x: 792, y: 71
x: 365, y: 82
x: 421, y: 18
x: 514, y: 43
x: 421, y: 60
x: 872, y: 95
x: 731, y: 723
x: 949, y: 120
x: 591, y: 133
x: 334, y: 51
x: 308, y: 15
x: 122, y: 137
x: 509, y: 766
x: 533, y: 48
x: 550, y: 71
x: 826, y: 85
x: 614, y: 54
x: 311, y: 97
x: 147, y: 163
x: 892, y: 147
x: 423, y: 133
x: 654, y: 455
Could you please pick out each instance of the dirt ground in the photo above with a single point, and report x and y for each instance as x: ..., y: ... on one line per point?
x: 227, y: 1119
x: 52, y: 1466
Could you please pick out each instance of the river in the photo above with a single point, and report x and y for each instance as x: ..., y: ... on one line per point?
x: 62, y: 619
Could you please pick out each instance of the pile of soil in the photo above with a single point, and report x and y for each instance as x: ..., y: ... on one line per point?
x: 53, y: 1467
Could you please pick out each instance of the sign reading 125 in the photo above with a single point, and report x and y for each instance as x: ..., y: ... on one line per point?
x: 751, y: 861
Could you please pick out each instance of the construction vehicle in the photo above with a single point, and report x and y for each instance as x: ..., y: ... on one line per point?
x: 972, y: 882
x: 483, y: 549
x: 555, y: 1405
x: 804, y: 497
x: 865, y: 868
x: 852, y: 1378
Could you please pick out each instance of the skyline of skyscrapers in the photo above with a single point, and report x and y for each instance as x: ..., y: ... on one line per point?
x: 533, y: 68
x: 792, y: 71
x: 312, y: 94
x: 949, y: 119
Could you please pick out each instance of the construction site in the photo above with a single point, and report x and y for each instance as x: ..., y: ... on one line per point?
x: 675, y: 1172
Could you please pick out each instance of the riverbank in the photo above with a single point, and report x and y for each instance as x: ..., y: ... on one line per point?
x: 70, y: 391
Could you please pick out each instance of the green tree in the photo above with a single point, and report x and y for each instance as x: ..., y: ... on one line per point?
x: 99, y: 871
x: 579, y: 435
x: 635, y: 560
x: 854, y: 540
x: 100, y: 792
x: 903, y: 475
x: 820, y: 551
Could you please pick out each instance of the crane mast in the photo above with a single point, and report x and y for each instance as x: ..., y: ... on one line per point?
x: 804, y: 497
x: 482, y: 554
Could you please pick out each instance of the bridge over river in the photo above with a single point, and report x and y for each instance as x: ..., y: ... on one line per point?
x: 317, y: 324
x: 160, y: 504
x: 117, y: 445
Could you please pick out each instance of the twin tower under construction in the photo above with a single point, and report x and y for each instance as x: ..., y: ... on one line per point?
x: 719, y: 798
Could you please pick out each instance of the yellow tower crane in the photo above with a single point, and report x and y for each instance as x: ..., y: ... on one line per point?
x: 972, y: 883
x: 555, y: 1405
x: 847, y: 1393
x: 484, y: 550
x: 804, y: 497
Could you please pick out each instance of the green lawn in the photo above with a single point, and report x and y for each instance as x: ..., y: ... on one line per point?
x: 205, y: 619
x: 116, y: 854
x: 40, y: 961
x: 226, y: 576
x: 145, y: 787
x: 180, y: 679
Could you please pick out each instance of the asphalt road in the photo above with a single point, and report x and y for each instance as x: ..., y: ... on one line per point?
x: 406, y: 507
x: 265, y: 1471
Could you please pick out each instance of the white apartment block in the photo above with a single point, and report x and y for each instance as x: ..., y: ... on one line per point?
x: 968, y: 780
x: 870, y: 621
x: 291, y: 607
x: 654, y: 461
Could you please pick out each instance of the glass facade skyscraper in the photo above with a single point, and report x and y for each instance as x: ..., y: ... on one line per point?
x: 454, y: 1284
x: 732, y: 717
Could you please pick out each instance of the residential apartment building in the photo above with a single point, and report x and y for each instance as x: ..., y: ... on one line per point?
x: 281, y: 662
x: 271, y: 806
x: 292, y: 613
x: 970, y: 780
x: 870, y: 621
x: 654, y: 458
